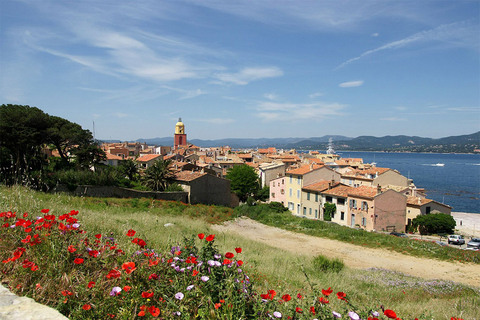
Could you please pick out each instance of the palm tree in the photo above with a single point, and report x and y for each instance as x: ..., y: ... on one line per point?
x: 129, y: 168
x: 158, y: 176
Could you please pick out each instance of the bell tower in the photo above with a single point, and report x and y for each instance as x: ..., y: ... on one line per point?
x: 180, y: 137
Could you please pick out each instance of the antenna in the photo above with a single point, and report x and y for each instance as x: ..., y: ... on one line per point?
x: 94, y: 130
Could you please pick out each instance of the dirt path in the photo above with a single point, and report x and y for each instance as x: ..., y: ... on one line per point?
x: 354, y: 256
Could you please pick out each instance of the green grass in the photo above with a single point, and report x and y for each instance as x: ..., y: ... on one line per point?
x: 285, y: 220
x: 163, y: 223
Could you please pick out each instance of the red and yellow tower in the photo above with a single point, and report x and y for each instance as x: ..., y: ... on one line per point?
x: 180, y: 138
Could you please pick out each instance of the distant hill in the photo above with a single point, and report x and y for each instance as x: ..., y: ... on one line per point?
x: 459, y: 144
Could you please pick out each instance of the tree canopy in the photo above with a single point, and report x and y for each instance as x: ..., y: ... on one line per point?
x: 159, y: 176
x: 434, y: 223
x: 244, y: 181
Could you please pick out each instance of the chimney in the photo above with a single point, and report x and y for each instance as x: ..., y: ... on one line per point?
x: 379, y: 189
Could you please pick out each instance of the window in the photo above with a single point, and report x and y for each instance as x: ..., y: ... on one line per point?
x: 298, y: 194
x: 291, y: 179
x: 328, y: 199
x: 364, y: 205
x: 364, y: 222
x: 316, y: 197
x: 308, y: 195
x: 304, y: 211
x: 342, y: 215
x: 316, y: 213
x: 299, y: 179
x: 427, y: 210
x: 341, y: 201
x: 273, y: 194
x: 283, y: 181
x: 291, y: 192
x: 290, y: 206
x: 310, y: 211
x: 353, y: 203
x: 298, y: 209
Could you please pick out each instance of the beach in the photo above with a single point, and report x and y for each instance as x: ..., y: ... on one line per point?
x: 468, y: 224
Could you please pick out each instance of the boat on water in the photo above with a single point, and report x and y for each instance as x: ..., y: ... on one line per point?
x: 439, y: 164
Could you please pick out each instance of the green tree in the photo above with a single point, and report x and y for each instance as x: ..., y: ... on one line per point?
x: 244, y: 181
x: 329, y: 210
x: 129, y: 169
x: 263, y: 194
x: 158, y: 176
x: 434, y: 223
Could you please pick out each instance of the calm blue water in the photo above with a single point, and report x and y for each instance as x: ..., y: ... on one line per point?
x: 456, y: 184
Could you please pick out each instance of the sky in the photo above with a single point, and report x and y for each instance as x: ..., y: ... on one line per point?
x: 129, y: 70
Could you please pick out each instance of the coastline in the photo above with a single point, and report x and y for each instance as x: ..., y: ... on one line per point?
x: 468, y: 224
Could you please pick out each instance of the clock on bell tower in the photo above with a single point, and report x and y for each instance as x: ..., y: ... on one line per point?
x: 180, y: 137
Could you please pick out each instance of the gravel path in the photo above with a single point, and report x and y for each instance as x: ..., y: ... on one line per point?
x: 354, y: 256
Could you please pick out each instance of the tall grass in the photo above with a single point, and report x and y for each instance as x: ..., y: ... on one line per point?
x: 167, y: 223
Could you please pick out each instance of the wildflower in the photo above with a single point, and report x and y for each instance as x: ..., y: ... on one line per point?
x: 45, y: 211
x: 66, y: 293
x: 114, y: 273
x: 327, y: 292
x: 217, y: 305
x: 390, y: 314
x: 98, y: 236
x: 131, y: 233
x: 194, y: 273
x: 71, y: 249
x: 353, y: 316
x: 286, y: 297
x: 298, y: 310
x: 78, y: 261
x: 204, y: 278
x: 238, y: 250
x: 190, y: 287
x: 323, y: 300
x: 201, y: 236
x: 210, y: 237
x: 239, y: 263
x: 91, y: 284
x: 277, y: 314
x: 141, y: 314
x: 115, y: 291
x: 129, y: 267
x: 179, y: 295
x: 375, y: 313
x: 87, y: 307
x: 336, y: 314
x: 127, y: 288
x: 154, y: 311
x: 312, y: 309
x: 229, y: 255
x: 341, y: 295
x: 147, y: 294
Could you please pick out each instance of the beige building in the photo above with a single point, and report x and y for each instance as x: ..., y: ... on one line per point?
x: 420, y: 206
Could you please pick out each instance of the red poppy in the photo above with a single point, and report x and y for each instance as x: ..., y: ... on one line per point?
x: 299, y: 296
x: 129, y: 267
x: 312, y: 309
x: 390, y: 314
x: 194, y: 273
x: 152, y: 263
x: 226, y: 261
x: 147, y: 294
x: 131, y: 233
x: 78, y: 261
x: 229, y: 255
x: 210, y: 237
x: 45, y: 211
x: 153, y: 276
x: 87, y: 307
x: 298, y: 310
x: 238, y: 250
x: 91, y: 284
x: 25, y: 215
x: 141, y: 314
x: 141, y: 243
x: 71, y: 249
x: 93, y: 253
x: 154, y: 311
x: 239, y: 262
x: 66, y: 293
x: 98, y: 236
x: 114, y: 273
x: 341, y: 295
x: 201, y: 236
x: 327, y: 292
x: 322, y: 300
x: 127, y: 288
x: 286, y: 297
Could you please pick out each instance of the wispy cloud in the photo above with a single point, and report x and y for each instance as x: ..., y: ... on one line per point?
x: 271, y: 96
x: 121, y: 115
x: 457, y: 34
x: 248, y: 75
x: 216, y: 120
x: 272, y: 111
x: 393, y: 119
x: 315, y: 95
x: 351, y: 84
x: 464, y: 109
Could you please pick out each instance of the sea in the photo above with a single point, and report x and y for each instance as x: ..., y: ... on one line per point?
x: 453, y: 179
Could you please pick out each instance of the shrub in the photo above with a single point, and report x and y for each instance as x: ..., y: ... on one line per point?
x: 324, y: 264
x: 434, y: 223
x: 277, y: 206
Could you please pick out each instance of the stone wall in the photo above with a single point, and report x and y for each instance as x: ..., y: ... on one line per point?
x: 117, y: 192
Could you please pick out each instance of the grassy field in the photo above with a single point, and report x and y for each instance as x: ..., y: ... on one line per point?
x: 165, y: 223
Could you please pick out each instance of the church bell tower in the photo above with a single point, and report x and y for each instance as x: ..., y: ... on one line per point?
x: 180, y: 138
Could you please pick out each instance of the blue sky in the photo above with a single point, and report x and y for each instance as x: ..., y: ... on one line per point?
x: 244, y: 69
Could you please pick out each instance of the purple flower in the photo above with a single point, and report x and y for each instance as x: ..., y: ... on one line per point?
x: 115, y: 291
x: 190, y: 287
x: 336, y: 314
x: 353, y: 316
x: 204, y: 278
x: 211, y: 263
x: 217, y: 256
x: 76, y: 225
x: 179, y: 295
x: 375, y: 313
x: 277, y: 314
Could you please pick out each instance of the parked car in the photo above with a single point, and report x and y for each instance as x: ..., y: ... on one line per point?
x: 474, y: 244
x: 398, y: 234
x: 456, y: 239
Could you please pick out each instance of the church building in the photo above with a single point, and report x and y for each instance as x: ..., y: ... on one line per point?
x: 180, y: 138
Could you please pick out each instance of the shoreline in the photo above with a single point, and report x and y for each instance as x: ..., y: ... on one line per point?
x: 468, y: 224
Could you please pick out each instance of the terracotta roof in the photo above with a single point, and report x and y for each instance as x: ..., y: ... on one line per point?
x: 315, y: 160
x: 304, y: 169
x: 113, y: 156
x: 244, y: 155
x: 340, y: 191
x: 319, y: 186
x: 363, y: 191
x: 148, y: 157
x: 415, y: 201
x: 188, y: 175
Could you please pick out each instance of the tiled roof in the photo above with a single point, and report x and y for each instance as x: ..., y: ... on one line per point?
x: 340, y: 191
x: 319, y: 186
x: 363, y: 191
x: 304, y: 169
x: 415, y: 201
x: 113, y: 156
x: 188, y: 175
x: 148, y: 157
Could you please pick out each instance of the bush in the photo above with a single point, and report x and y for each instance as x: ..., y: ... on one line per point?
x: 324, y: 264
x: 434, y: 223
